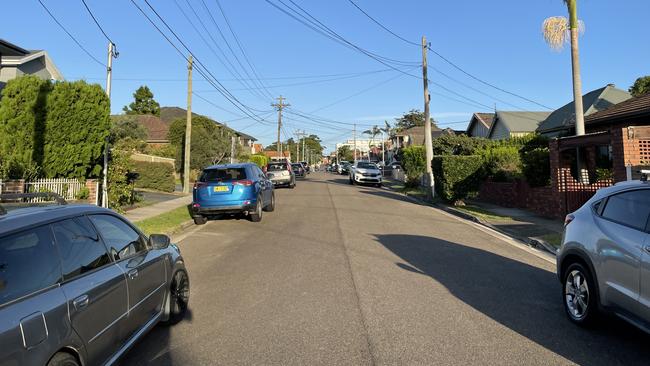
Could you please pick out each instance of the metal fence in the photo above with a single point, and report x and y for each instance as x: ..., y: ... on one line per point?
x: 66, y: 188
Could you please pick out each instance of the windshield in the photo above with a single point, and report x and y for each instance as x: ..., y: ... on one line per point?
x: 296, y: 166
x: 366, y: 165
x: 274, y: 167
x: 223, y: 175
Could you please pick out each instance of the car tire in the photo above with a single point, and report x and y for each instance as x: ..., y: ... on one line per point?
x: 580, y: 306
x: 378, y: 185
x: 271, y: 206
x: 257, y: 215
x: 63, y: 359
x: 200, y: 220
x: 178, y: 298
x: 292, y: 185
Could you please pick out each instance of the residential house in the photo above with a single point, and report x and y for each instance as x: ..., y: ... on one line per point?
x: 273, y: 155
x: 16, y: 61
x: 562, y: 121
x: 479, y: 125
x: 632, y: 112
x: 258, y: 148
x: 507, y: 124
x: 156, y: 128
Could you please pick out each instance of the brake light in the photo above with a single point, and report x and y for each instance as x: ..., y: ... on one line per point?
x: 568, y: 219
x: 198, y: 185
x: 245, y: 182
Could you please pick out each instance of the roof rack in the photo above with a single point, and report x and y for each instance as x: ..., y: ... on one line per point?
x: 19, y: 196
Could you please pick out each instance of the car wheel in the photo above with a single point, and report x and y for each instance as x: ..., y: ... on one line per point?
x: 271, y: 206
x: 257, y: 215
x: 200, y: 220
x: 292, y: 185
x: 378, y: 185
x: 178, y: 297
x: 579, y: 293
x: 63, y: 359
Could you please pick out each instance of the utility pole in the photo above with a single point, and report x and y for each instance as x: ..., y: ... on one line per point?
x: 355, y: 142
x: 109, y: 76
x: 279, y: 105
x: 427, y: 123
x: 188, y: 129
x: 232, y: 149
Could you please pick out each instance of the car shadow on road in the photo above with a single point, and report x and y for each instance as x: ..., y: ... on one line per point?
x: 387, y: 194
x: 524, y: 298
x: 154, y: 347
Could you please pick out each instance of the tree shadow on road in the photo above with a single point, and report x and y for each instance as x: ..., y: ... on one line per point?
x: 524, y: 298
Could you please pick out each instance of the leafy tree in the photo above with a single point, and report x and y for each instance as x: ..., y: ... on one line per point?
x: 143, y: 103
x: 22, y: 126
x: 76, y: 125
x: 127, y: 133
x: 458, y: 145
x: 209, y: 146
x: 345, y: 153
x: 120, y: 189
x: 641, y: 86
x: 410, y: 119
x: 414, y: 163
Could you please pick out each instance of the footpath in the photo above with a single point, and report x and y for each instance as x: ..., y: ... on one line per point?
x: 166, y: 217
x: 536, y: 231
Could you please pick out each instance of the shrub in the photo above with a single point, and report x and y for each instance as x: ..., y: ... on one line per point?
x: 76, y: 125
x: 210, y: 144
x: 457, y: 177
x: 458, y: 145
x: 157, y: 176
x: 83, y: 193
x: 120, y: 192
x: 22, y: 125
x: 536, y: 166
x: 414, y: 161
x: 165, y: 151
x: 259, y: 159
x: 502, y: 163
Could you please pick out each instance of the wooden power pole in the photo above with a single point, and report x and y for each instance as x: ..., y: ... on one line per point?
x: 279, y: 105
x: 355, y: 142
x: 109, y: 78
x: 188, y: 130
x: 427, y: 123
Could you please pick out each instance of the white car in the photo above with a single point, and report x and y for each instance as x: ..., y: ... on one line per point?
x: 363, y: 172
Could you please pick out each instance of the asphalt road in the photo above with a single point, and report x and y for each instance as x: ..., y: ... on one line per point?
x: 348, y: 275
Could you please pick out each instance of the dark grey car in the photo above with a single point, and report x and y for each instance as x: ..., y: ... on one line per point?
x: 79, y: 285
x: 604, y: 261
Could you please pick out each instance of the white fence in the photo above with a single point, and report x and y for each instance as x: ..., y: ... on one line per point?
x: 66, y: 188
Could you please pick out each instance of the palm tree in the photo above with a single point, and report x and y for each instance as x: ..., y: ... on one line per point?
x: 558, y: 31
x: 373, y: 132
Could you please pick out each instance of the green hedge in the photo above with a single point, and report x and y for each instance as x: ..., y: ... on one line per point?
x: 259, y: 159
x: 502, y: 163
x: 414, y: 163
x: 157, y: 176
x: 457, y: 176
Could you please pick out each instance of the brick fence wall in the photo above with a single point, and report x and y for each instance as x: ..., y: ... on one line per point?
x: 519, y: 194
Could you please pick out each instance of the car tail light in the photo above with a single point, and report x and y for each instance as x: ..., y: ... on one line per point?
x: 568, y: 219
x: 196, y: 205
x: 198, y: 185
x: 245, y: 182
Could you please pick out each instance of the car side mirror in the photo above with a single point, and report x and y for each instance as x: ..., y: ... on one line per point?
x: 159, y: 241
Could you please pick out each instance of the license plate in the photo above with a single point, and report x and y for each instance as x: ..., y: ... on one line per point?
x: 221, y: 189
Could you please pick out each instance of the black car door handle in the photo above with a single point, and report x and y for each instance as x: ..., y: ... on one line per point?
x: 133, y: 273
x: 81, y: 302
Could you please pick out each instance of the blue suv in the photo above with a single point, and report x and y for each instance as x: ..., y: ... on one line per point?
x: 232, y: 189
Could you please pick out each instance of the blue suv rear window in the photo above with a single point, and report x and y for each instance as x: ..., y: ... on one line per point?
x: 223, y: 175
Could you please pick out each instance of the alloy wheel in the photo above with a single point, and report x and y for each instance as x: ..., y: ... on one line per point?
x: 576, y: 294
x: 180, y: 293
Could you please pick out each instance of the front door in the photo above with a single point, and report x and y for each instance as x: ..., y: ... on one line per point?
x: 144, y: 269
x: 94, y: 287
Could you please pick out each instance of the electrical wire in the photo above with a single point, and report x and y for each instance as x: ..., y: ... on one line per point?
x: 70, y: 35
x: 382, y: 26
x: 96, y: 22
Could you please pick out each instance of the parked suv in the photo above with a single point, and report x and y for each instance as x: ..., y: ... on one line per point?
x: 79, y: 284
x: 604, y: 260
x: 232, y: 189
x: 281, y: 173
x: 363, y: 172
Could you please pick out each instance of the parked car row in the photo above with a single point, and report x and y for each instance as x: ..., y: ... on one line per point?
x: 242, y: 189
x: 79, y: 284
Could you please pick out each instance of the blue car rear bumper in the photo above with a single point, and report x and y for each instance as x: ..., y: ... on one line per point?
x: 199, y: 209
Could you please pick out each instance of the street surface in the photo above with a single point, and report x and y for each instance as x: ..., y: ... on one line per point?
x: 348, y: 275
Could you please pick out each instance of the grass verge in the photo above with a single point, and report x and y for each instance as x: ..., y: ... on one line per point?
x: 165, y: 223
x: 482, y: 213
x: 555, y: 239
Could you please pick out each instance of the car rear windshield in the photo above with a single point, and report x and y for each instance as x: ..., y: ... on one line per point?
x: 363, y: 165
x: 296, y: 165
x: 223, y: 175
x: 274, y: 167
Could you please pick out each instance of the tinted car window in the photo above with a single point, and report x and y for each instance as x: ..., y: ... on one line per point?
x: 122, y: 241
x: 28, y: 263
x: 363, y: 165
x: 277, y: 166
x: 223, y: 175
x: 80, y: 248
x: 629, y: 208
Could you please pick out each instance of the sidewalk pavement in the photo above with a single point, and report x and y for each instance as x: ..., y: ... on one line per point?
x: 146, y: 212
x: 520, y: 224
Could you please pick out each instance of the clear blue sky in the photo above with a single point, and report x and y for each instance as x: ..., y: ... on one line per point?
x: 499, y: 41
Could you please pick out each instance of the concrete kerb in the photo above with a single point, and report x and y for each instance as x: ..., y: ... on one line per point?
x: 535, y: 246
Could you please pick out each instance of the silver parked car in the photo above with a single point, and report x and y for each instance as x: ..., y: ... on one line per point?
x: 604, y: 261
x: 79, y: 284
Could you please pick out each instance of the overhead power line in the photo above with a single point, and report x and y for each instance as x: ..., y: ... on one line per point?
x: 382, y: 26
x: 96, y: 22
x: 70, y: 35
